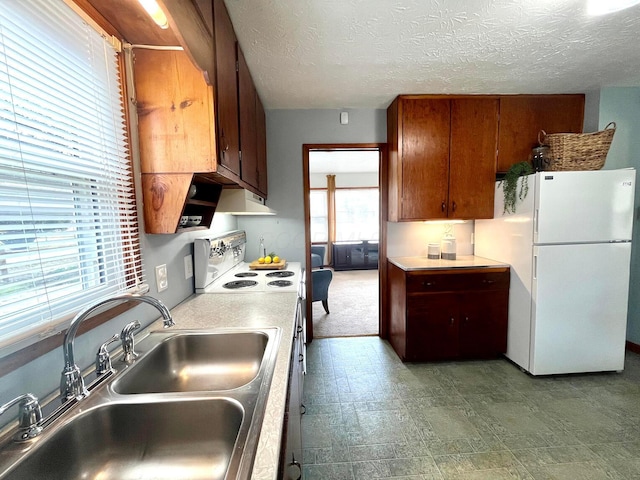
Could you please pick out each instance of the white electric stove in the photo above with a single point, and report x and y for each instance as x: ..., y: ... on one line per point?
x: 219, y: 267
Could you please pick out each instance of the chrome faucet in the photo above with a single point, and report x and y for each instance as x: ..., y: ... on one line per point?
x: 128, y: 350
x: 71, y: 382
x: 29, y: 417
x: 103, y: 359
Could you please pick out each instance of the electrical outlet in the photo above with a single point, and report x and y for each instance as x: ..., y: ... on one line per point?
x: 188, y: 267
x: 162, y: 281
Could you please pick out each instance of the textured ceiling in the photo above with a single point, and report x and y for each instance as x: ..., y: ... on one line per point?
x: 362, y: 53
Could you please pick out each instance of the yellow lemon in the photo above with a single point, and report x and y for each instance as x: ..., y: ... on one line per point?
x: 267, y: 259
x: 276, y: 259
x: 261, y: 260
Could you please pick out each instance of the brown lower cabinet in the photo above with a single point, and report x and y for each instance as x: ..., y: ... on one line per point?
x: 448, y: 314
x: 290, y: 467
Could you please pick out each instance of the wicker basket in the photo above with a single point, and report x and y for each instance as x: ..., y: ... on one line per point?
x: 578, y: 151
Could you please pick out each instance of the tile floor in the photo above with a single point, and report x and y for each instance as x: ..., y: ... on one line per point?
x: 371, y: 416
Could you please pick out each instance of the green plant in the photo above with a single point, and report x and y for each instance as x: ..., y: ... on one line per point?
x: 510, y: 185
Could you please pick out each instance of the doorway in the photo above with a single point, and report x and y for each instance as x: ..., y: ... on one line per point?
x: 341, y: 181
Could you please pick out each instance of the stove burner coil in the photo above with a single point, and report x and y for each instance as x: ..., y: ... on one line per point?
x: 280, y: 283
x: 240, y: 284
x: 246, y: 274
x: 280, y: 274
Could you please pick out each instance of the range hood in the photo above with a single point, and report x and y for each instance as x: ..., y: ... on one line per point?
x: 238, y: 201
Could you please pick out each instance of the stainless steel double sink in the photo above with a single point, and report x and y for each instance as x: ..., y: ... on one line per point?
x: 190, y: 407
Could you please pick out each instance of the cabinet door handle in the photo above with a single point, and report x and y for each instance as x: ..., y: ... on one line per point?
x: 303, y: 409
x: 452, y: 321
x: 297, y: 465
x: 488, y: 281
x: 222, y: 137
x: 466, y: 319
x: 443, y: 206
x: 453, y: 206
x: 300, y: 357
x: 428, y: 284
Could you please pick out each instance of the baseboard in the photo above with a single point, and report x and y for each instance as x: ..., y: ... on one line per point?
x: 633, y: 347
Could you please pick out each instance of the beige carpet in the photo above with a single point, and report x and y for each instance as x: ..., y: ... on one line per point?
x: 353, y: 303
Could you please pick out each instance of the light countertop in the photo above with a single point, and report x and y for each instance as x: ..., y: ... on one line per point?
x: 462, y: 261
x: 250, y: 310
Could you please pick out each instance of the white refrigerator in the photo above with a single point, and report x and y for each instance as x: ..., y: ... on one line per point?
x: 569, y: 247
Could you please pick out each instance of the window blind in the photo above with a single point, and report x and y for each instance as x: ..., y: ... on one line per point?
x: 68, y: 220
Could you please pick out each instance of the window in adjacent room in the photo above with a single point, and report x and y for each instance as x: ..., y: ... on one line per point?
x: 319, y: 219
x: 68, y: 221
x: 357, y: 214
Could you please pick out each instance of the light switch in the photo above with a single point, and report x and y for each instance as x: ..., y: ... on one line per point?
x: 162, y: 281
x: 188, y: 267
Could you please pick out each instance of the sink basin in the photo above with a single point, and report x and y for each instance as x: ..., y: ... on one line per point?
x: 196, y: 362
x: 188, y: 439
x: 198, y: 412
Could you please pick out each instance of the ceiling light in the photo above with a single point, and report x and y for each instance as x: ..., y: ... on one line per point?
x: 603, y: 7
x: 154, y: 10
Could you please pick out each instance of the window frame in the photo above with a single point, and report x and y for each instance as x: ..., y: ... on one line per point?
x: 377, y: 188
x: 325, y: 189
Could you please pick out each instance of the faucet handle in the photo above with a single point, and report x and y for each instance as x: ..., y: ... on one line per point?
x: 128, y: 343
x: 29, y: 416
x: 103, y: 360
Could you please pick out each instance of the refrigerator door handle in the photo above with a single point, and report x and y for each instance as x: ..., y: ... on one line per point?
x: 535, y: 220
x: 535, y: 267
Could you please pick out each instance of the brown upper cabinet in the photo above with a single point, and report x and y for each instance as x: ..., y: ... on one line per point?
x: 248, y: 118
x: 191, y: 108
x: 190, y: 124
x: 261, y: 146
x: 177, y: 140
x: 227, y: 115
x: 240, y: 117
x: 442, y: 157
x: 523, y: 116
x: 445, y: 151
x: 175, y: 115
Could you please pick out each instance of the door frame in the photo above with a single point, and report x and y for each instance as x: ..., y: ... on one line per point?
x: 382, y: 241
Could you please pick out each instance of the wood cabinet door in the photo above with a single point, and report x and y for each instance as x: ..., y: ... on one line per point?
x: 483, y: 324
x: 341, y: 256
x: 432, y: 327
x: 261, y: 147
x: 291, y: 450
x: 248, y: 134
x: 226, y: 89
x: 472, y: 166
x: 523, y: 116
x: 175, y: 116
x: 424, y: 158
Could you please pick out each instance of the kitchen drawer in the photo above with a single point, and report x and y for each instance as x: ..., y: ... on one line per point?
x: 457, y: 280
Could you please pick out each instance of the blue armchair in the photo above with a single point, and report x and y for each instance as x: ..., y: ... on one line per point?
x: 320, y: 280
x: 317, y: 256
